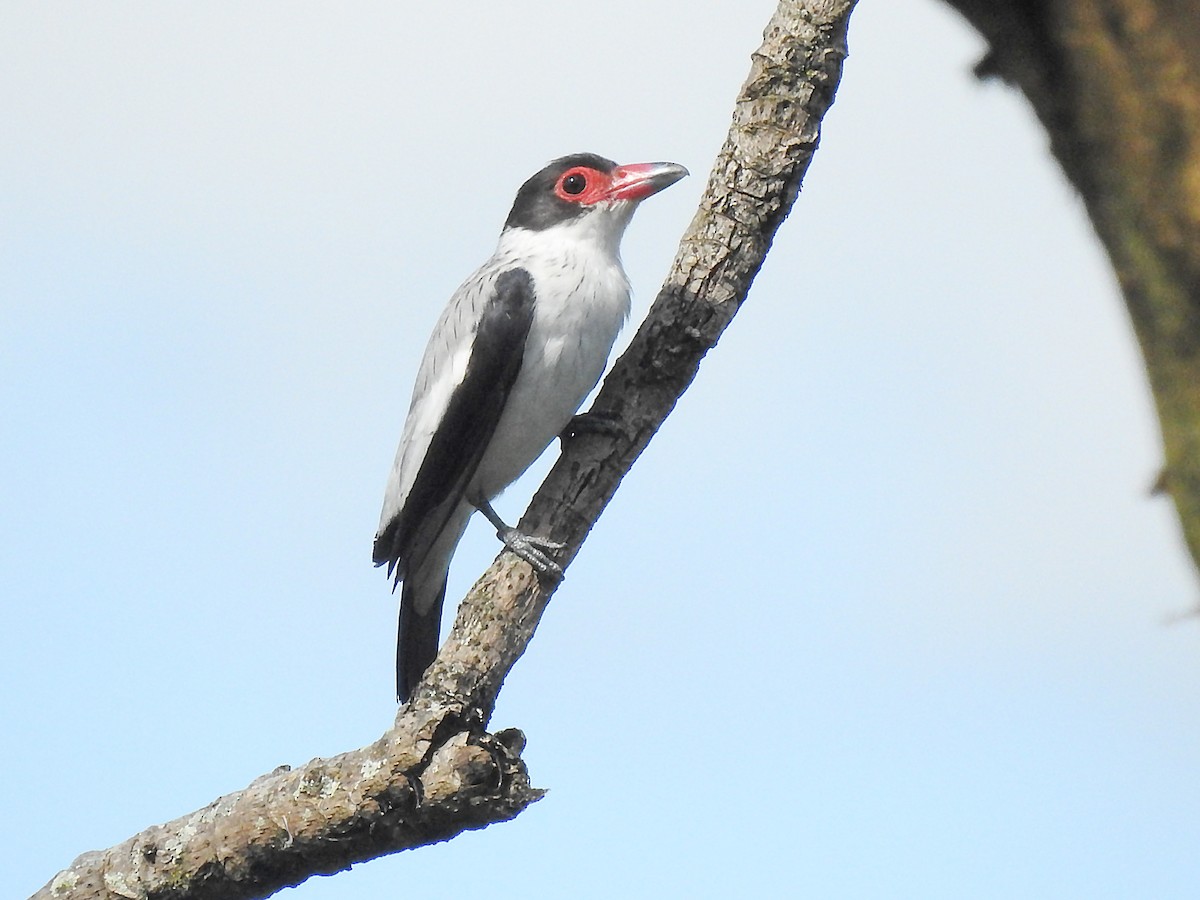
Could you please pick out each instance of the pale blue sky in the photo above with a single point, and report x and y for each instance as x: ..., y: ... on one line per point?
x: 881, y: 613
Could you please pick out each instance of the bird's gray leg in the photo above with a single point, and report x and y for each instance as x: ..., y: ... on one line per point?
x: 530, y: 548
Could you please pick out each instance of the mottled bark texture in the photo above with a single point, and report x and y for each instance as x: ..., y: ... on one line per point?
x: 437, y: 772
x: 433, y: 775
x: 1116, y: 83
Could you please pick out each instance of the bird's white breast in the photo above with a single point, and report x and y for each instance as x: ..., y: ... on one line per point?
x: 582, y: 299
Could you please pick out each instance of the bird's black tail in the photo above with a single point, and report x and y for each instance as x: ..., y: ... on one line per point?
x: 417, y: 641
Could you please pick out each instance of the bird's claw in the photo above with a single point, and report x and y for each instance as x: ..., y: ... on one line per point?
x: 533, y: 550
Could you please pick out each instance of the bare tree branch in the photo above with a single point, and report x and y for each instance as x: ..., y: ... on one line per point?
x: 437, y: 772
x: 426, y: 780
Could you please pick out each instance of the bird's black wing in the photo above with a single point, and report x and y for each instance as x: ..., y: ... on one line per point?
x: 466, y: 427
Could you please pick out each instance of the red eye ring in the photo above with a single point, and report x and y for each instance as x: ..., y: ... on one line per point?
x: 582, y: 185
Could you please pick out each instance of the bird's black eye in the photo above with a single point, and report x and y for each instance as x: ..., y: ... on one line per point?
x: 574, y: 184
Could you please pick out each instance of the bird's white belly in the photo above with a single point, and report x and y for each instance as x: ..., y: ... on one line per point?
x: 565, y: 355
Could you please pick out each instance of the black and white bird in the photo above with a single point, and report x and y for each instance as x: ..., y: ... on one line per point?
x: 512, y: 357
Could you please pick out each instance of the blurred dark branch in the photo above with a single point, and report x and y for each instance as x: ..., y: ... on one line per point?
x: 437, y: 772
x: 1116, y: 84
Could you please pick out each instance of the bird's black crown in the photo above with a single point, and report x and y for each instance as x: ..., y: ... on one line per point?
x: 537, y: 205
